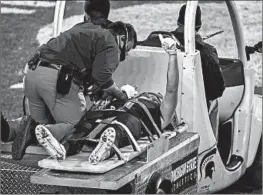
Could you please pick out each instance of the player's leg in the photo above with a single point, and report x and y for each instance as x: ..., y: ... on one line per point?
x: 50, y: 143
x: 115, y: 134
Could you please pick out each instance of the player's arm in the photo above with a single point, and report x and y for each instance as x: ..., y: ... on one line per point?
x: 169, y: 102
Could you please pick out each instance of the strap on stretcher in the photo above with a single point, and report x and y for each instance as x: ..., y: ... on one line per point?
x: 134, y: 143
x: 101, y: 125
x: 111, y: 120
x: 150, y: 135
x: 158, y: 131
x: 132, y: 139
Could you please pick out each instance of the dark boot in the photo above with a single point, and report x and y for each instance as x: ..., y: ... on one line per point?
x: 25, y: 136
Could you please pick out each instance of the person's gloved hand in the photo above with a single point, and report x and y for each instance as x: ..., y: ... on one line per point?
x: 168, y: 44
x: 258, y: 47
x: 249, y: 50
x: 129, y: 90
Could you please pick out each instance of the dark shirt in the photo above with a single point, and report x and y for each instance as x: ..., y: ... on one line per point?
x: 179, y: 34
x: 85, y: 46
x: 213, y: 80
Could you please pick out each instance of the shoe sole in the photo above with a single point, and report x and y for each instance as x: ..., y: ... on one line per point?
x: 51, y: 145
x: 20, y: 143
x: 102, y: 150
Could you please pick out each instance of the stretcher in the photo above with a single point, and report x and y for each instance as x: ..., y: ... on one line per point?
x: 79, y: 162
x: 165, y: 155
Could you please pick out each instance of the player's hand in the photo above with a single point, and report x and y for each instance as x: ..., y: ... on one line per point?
x: 129, y: 90
x: 168, y: 44
x: 258, y: 47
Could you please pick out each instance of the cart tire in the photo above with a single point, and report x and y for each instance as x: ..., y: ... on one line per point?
x: 158, y: 185
x: 160, y: 191
x: 126, y: 189
x: 253, y: 175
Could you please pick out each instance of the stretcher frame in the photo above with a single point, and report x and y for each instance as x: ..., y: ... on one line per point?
x: 156, y: 158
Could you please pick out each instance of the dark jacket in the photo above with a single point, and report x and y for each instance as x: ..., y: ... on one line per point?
x: 85, y: 46
x: 213, y: 80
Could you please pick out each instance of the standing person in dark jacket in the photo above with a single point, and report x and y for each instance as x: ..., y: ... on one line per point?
x: 213, y: 80
x: 54, y: 82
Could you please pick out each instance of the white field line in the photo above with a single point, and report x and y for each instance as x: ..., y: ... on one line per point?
x: 17, y: 86
x: 5, y: 10
x: 29, y: 3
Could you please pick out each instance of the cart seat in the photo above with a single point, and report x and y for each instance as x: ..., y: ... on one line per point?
x: 145, y: 67
x: 233, y: 75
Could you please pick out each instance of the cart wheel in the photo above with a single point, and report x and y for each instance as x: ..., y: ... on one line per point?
x: 160, y: 191
x: 165, y: 187
x: 158, y: 185
x: 126, y: 189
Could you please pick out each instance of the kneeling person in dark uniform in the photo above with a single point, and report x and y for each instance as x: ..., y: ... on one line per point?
x: 85, y: 56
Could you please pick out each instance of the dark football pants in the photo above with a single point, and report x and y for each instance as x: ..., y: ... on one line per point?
x: 132, y: 123
x: 122, y: 139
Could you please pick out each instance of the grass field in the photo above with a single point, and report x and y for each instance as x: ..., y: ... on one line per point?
x: 23, y: 31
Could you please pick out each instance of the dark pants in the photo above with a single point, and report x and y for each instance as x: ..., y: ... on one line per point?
x: 132, y: 123
x: 73, y: 146
x: 130, y: 118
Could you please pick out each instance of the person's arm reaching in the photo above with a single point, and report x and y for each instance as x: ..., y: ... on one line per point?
x: 102, y: 74
x: 169, y: 102
x: 105, y: 63
x: 115, y: 91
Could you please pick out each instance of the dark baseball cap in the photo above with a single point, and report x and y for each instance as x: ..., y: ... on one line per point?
x: 102, y: 6
x: 198, y: 21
